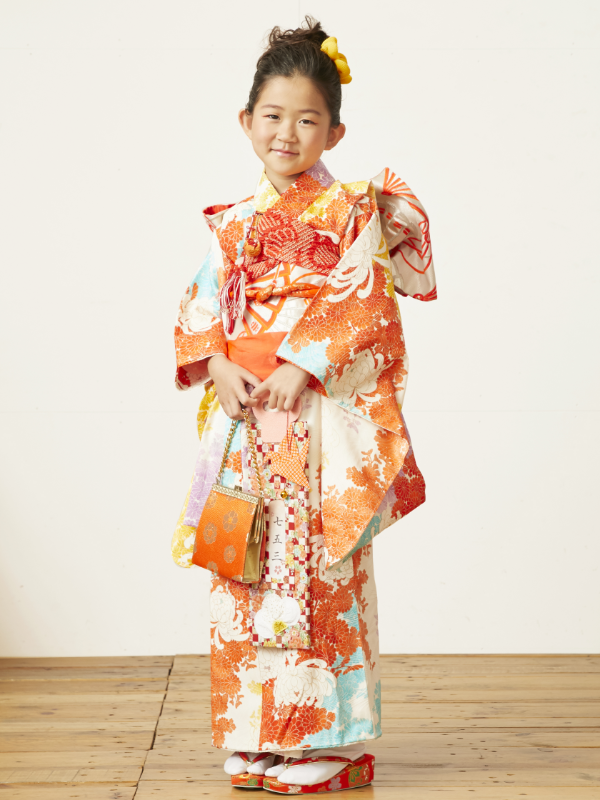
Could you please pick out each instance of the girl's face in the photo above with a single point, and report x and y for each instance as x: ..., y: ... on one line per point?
x: 290, y: 128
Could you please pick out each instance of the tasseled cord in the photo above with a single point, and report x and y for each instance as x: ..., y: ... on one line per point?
x: 232, y: 299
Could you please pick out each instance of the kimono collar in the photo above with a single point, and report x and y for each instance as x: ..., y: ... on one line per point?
x: 302, y: 193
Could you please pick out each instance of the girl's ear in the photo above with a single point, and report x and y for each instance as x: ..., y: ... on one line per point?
x: 246, y: 122
x: 335, y: 136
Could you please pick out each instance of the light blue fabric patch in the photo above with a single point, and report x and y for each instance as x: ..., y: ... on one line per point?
x: 349, y: 702
x: 312, y: 358
x: 351, y: 616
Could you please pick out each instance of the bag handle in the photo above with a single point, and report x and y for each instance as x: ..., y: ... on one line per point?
x: 252, y: 445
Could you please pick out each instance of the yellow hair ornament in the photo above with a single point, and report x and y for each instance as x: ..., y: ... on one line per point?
x: 330, y: 48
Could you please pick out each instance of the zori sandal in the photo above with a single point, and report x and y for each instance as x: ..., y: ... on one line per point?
x: 247, y: 780
x: 358, y: 773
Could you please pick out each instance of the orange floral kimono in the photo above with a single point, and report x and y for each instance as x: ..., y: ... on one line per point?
x: 294, y: 658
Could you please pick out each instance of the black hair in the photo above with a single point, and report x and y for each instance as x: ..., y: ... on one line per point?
x: 298, y: 52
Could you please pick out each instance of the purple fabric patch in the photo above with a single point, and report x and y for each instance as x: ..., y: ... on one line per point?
x: 320, y: 173
x: 205, y: 474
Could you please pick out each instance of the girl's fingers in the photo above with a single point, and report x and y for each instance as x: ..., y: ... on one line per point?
x: 249, y: 377
x: 232, y: 408
x: 245, y: 398
x: 259, y: 390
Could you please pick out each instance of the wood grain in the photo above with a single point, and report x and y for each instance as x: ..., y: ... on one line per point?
x: 82, y: 699
x: 92, y: 688
x: 74, y: 741
x: 88, y: 758
x: 71, y: 775
x: 82, y: 674
x: 99, y: 662
x: 68, y: 791
x: 191, y: 790
x: 46, y: 724
x: 458, y: 727
x: 80, y: 710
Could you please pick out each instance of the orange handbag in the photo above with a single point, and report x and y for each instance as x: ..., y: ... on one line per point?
x: 230, y: 538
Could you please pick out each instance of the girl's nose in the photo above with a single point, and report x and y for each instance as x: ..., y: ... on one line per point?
x: 286, y: 133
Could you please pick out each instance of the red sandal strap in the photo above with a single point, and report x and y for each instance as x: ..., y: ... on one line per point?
x: 314, y: 759
x: 256, y: 758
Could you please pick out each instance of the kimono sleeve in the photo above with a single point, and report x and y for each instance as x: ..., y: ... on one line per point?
x: 405, y: 227
x: 199, y: 330
x: 350, y: 337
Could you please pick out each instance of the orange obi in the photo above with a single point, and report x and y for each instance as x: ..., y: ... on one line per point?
x: 256, y: 353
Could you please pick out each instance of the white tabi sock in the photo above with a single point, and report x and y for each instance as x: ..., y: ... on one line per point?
x: 235, y: 765
x: 260, y: 767
x: 319, y: 771
x: 275, y: 772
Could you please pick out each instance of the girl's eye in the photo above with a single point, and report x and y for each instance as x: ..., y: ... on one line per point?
x: 308, y: 121
x: 272, y: 116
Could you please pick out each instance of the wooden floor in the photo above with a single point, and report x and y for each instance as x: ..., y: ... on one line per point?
x: 478, y: 727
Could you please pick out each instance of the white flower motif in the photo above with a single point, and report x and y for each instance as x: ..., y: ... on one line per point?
x: 270, y: 662
x: 303, y: 684
x: 359, y: 703
x: 344, y: 572
x: 276, y: 614
x: 270, y: 746
x: 319, y: 560
x: 298, y: 684
x: 225, y: 618
x: 358, y: 379
x: 356, y: 266
x: 194, y: 316
x: 335, y: 784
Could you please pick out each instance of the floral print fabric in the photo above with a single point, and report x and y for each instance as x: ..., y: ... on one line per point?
x: 322, y: 691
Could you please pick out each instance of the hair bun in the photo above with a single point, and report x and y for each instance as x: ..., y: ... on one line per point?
x: 310, y: 32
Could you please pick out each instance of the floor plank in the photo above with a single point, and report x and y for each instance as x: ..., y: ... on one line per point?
x: 46, y: 724
x: 75, y: 711
x: 99, y: 662
x: 57, y: 674
x: 488, y: 665
x: 74, y: 741
x: 192, y: 790
x: 484, y: 727
x: 392, y: 710
x: 188, y: 738
x: 415, y: 765
x: 71, y: 775
x: 59, y: 700
x: 93, y: 688
x: 437, y: 774
x: 87, y: 758
x: 69, y: 791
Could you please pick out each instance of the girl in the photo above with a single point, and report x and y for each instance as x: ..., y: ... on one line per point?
x: 293, y: 317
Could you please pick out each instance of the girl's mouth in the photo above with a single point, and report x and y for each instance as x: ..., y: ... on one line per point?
x: 285, y: 153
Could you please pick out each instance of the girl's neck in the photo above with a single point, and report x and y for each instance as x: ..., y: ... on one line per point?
x: 281, y: 182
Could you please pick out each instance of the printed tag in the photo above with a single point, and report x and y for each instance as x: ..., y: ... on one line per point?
x: 280, y: 603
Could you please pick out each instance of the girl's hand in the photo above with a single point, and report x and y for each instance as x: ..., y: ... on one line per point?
x: 283, y: 386
x: 230, y: 382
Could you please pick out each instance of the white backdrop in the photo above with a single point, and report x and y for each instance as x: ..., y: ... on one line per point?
x: 117, y: 126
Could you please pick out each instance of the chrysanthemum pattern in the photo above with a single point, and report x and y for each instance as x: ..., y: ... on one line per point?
x: 361, y: 468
